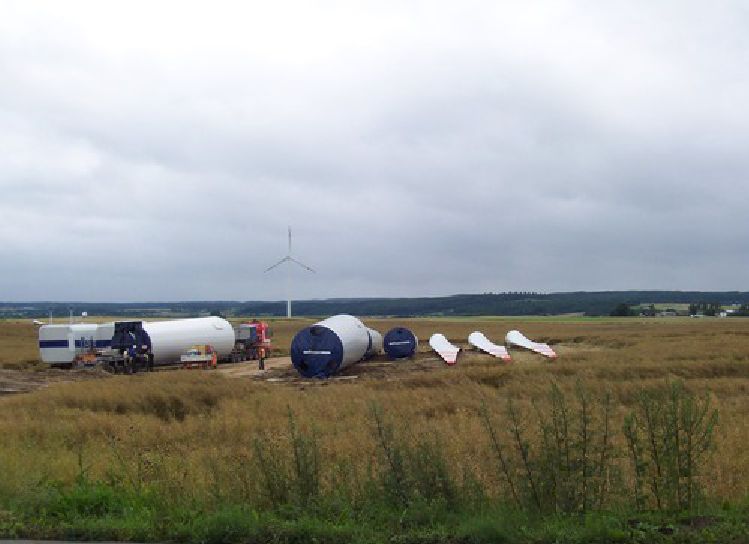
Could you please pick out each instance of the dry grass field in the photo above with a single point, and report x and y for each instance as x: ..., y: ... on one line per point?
x: 194, y: 433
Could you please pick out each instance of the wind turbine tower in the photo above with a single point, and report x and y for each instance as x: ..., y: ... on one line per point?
x: 288, y: 259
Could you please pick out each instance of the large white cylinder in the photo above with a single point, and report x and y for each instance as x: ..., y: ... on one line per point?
x: 326, y: 347
x: 170, y: 339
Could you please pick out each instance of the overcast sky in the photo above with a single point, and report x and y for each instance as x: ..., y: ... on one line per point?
x: 158, y: 150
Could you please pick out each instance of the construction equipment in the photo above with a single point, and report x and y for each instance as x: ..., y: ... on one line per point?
x: 132, y: 346
x: 200, y: 356
x: 86, y: 359
x: 250, y: 337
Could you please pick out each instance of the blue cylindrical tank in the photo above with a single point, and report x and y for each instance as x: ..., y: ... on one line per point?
x: 326, y: 347
x: 400, y: 343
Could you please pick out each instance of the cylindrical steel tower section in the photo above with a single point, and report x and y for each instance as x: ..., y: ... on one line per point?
x: 170, y: 339
x: 326, y: 347
x: 400, y: 343
x: 375, y: 343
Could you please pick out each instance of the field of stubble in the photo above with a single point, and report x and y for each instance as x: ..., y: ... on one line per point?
x: 200, y: 435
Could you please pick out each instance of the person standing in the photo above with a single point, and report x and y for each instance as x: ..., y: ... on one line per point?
x: 261, y: 358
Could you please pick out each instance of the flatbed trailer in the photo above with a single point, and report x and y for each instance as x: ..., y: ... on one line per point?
x: 119, y: 364
x: 131, y: 349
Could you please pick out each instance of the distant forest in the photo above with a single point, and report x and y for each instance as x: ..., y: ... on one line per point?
x: 584, y: 303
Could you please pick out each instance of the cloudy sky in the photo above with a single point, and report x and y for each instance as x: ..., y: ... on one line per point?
x: 158, y: 150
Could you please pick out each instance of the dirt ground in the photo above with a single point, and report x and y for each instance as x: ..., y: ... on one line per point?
x: 22, y: 381
x: 280, y: 369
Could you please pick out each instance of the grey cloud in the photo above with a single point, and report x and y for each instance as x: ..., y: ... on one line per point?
x: 414, y: 150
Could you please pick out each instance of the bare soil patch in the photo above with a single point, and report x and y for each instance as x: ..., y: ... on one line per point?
x: 23, y: 381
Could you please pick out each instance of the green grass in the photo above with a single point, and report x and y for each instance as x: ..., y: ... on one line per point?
x: 94, y: 511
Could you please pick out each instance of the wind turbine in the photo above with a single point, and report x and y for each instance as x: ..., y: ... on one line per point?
x: 288, y: 259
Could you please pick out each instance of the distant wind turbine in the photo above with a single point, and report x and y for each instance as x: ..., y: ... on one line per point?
x: 288, y: 259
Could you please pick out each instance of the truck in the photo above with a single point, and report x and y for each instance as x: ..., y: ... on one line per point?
x: 249, y: 338
x: 131, y: 346
x: 199, y: 356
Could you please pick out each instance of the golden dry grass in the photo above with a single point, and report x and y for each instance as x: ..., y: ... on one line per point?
x: 193, y: 431
x: 18, y: 343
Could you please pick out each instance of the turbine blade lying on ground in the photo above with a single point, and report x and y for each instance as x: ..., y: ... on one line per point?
x: 444, y: 348
x: 480, y: 341
x: 516, y: 338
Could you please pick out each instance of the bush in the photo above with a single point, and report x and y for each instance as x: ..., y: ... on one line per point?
x: 568, y: 467
x: 289, y: 473
x: 415, y: 473
x: 669, y: 435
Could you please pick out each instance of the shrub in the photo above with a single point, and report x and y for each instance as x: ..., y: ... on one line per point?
x: 412, y: 473
x: 567, y: 465
x: 669, y: 435
x: 289, y: 473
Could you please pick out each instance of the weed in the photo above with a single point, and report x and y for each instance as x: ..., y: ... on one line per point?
x: 669, y: 435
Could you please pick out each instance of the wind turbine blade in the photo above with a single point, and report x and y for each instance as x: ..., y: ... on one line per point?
x: 444, y: 348
x: 279, y: 263
x: 293, y: 260
x: 480, y: 341
x: 289, y: 253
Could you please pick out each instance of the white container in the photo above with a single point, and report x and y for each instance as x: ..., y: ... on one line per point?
x: 59, y: 344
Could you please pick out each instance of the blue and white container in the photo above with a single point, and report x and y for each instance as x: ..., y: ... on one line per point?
x: 103, y: 336
x: 59, y: 344
x: 400, y: 343
x: 323, y: 349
